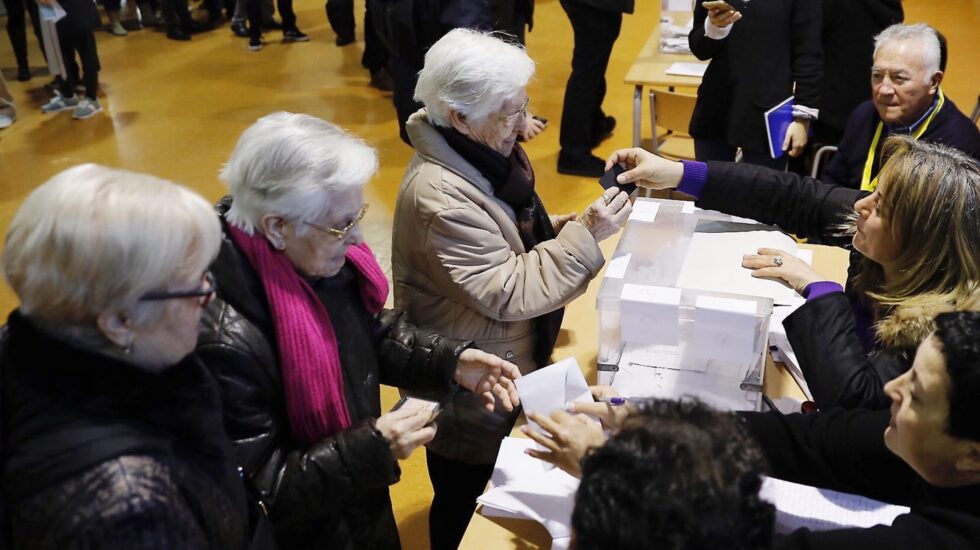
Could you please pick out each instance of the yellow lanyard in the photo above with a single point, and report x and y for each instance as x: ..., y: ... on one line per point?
x: 868, y: 184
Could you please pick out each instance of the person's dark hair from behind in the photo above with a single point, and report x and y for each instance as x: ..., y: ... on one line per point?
x: 959, y: 333
x: 679, y: 474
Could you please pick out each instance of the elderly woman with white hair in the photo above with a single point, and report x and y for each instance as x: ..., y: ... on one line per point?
x: 474, y: 253
x: 112, y: 431
x: 300, y: 342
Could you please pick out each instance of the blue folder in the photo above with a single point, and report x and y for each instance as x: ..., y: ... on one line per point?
x: 778, y: 120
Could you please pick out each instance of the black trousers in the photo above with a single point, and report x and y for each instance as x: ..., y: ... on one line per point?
x: 17, y: 29
x: 595, y: 31
x: 253, y: 9
x: 456, y: 486
x: 340, y: 14
x: 176, y: 13
x: 718, y: 150
x: 404, y: 75
x: 82, y: 42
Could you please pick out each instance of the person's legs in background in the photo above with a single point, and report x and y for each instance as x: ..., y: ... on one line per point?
x: 595, y: 33
x: 84, y: 44
x: 7, y: 111
x: 340, y: 14
x: 455, y: 485
x: 375, y: 58
x: 17, y: 32
x: 253, y: 10
x: 112, y: 9
x: 290, y: 32
x: 404, y: 76
x: 178, y: 19
x: 239, y: 17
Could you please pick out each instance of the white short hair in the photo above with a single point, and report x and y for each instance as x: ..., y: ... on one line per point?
x: 926, y: 35
x: 473, y: 73
x: 290, y: 165
x: 94, y: 239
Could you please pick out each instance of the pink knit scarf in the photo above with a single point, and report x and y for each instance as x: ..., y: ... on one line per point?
x: 311, y: 370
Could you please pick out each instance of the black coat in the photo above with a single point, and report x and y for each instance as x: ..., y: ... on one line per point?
x: 773, y: 46
x: 845, y: 451
x: 849, y: 28
x: 333, y: 494
x: 950, y: 127
x: 99, y: 454
x: 823, y: 333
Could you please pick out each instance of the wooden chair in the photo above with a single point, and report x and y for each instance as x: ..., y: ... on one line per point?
x: 672, y: 111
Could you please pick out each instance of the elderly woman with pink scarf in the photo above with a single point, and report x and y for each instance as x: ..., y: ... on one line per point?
x: 299, y: 340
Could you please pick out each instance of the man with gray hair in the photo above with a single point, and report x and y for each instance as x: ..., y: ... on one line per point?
x: 906, y: 98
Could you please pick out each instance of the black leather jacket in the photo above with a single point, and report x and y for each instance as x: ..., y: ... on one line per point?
x: 99, y: 454
x: 333, y: 494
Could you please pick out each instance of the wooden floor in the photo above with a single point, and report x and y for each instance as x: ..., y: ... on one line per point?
x: 176, y: 109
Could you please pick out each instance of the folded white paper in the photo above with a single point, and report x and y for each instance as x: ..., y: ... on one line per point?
x: 817, y: 509
x: 550, y: 388
x: 650, y: 314
x: 687, y: 69
x: 783, y: 350
x: 548, y: 499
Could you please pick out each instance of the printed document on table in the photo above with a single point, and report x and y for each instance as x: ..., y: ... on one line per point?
x: 714, y: 263
x: 799, y: 506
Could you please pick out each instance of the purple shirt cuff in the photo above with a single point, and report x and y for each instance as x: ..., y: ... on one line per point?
x: 819, y: 288
x: 694, y: 178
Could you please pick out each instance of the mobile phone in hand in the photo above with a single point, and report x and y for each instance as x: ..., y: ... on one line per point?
x: 717, y: 5
x: 433, y: 407
x: 609, y: 180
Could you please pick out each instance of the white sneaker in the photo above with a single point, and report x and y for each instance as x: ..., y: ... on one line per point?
x: 58, y: 104
x: 6, y: 119
x: 86, y: 108
x: 117, y: 29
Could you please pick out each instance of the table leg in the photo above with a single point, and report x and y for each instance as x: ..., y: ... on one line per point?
x: 637, y: 114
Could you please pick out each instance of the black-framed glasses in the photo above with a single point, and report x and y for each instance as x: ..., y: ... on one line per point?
x: 341, y: 234
x: 204, y: 295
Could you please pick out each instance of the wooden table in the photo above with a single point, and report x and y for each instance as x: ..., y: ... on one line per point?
x: 579, y: 338
x: 650, y: 70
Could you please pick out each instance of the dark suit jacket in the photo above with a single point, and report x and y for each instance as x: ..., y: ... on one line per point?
x: 950, y: 128
x: 849, y: 27
x: 619, y: 6
x: 776, y: 43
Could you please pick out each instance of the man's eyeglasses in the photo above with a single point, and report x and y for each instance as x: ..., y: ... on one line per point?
x: 522, y: 112
x: 341, y: 234
x: 204, y: 295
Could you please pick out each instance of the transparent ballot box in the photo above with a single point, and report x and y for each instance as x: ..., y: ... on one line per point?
x: 678, y: 315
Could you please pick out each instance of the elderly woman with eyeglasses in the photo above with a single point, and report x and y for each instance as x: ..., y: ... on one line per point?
x: 474, y: 253
x: 300, y: 341
x: 112, y: 432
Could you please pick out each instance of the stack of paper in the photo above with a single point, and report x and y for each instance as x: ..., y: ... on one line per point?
x: 523, y: 489
x: 687, y: 69
x: 799, y: 506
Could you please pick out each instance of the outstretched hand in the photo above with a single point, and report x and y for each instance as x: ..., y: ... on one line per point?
x: 646, y: 169
x: 568, y: 439
x: 490, y: 376
x: 788, y: 269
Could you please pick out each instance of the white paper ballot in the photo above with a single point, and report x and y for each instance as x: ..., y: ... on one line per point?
x: 548, y: 389
x: 649, y: 314
x: 714, y: 263
x: 680, y: 68
x: 817, y: 509
x: 689, y: 208
x: 784, y: 351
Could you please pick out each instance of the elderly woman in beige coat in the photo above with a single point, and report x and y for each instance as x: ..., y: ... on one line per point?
x: 475, y: 255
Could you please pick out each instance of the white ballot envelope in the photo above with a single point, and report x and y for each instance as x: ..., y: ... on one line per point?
x: 550, y: 388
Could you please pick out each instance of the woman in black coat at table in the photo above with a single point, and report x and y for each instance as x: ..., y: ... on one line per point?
x: 915, y: 252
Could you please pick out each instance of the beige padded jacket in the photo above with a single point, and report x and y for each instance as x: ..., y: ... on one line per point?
x: 460, y: 268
